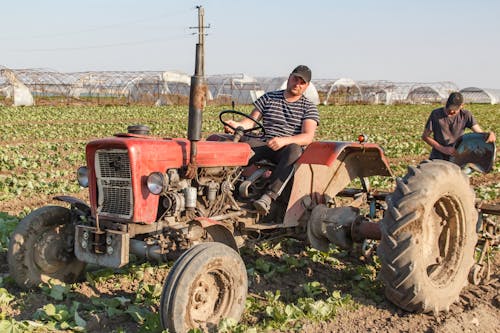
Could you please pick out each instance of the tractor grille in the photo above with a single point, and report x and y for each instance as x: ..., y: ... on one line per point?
x: 114, y: 183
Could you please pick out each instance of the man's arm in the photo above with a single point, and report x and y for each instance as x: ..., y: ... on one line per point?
x: 245, y: 122
x: 491, y: 136
x: 426, y: 136
x: 303, y: 139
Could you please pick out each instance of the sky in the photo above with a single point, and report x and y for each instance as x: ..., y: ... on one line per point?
x: 403, y: 41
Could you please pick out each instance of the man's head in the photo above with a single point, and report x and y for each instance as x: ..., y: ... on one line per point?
x: 303, y: 72
x: 454, y: 103
x: 299, y: 79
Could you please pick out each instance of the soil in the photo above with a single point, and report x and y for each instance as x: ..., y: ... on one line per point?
x: 478, y: 309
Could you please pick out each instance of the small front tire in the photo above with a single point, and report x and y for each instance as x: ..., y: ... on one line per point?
x: 206, y: 284
x: 41, y: 248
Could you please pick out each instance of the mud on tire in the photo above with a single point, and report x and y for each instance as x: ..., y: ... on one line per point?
x: 428, y: 237
x: 206, y: 284
x: 42, y: 248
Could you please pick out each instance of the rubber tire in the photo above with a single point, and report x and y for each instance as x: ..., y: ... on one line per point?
x: 50, y: 224
x: 413, y: 281
x: 179, y: 290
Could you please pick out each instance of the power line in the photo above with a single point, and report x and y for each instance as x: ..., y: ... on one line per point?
x: 101, y: 46
x: 98, y: 28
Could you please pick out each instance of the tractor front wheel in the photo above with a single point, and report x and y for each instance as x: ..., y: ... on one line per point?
x: 42, y: 248
x: 206, y: 284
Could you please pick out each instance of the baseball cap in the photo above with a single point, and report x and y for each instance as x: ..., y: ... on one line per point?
x: 303, y: 72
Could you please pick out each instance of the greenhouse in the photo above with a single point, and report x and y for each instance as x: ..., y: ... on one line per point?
x: 41, y: 86
x: 338, y: 91
x: 434, y: 92
x: 480, y: 95
x: 151, y: 87
x: 237, y: 88
x: 382, y: 92
x: 24, y: 87
x: 12, y: 88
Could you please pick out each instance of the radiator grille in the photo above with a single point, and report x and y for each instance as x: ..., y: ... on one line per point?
x: 114, y: 183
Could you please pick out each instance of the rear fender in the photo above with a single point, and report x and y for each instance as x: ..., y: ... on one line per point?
x: 326, y: 168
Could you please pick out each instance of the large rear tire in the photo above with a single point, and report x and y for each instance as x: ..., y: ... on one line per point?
x: 206, y: 284
x: 41, y: 248
x: 428, y: 237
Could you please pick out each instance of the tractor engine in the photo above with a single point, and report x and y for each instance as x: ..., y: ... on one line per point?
x: 209, y: 194
x: 142, y: 202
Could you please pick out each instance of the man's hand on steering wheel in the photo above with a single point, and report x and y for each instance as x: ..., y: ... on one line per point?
x: 231, y: 126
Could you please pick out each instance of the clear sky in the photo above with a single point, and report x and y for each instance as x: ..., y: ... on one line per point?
x: 422, y: 41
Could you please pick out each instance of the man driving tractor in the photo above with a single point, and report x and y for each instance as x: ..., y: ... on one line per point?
x: 290, y: 121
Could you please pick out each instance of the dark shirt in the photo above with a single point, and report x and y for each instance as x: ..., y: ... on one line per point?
x: 448, y: 129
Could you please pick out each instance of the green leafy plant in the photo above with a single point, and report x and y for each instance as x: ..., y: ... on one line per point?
x: 7, y: 225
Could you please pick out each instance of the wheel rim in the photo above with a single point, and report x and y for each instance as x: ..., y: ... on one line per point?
x: 210, y: 298
x: 50, y: 251
x: 446, y: 236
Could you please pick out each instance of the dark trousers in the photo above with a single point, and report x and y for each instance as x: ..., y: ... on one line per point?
x: 284, y: 159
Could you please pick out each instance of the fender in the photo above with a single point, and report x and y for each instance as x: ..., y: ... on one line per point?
x: 369, y: 158
x: 75, y: 202
x: 218, y: 231
x: 326, y: 168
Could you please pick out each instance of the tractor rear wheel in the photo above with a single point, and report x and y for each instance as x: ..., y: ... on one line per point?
x: 42, y: 248
x: 206, y: 284
x: 428, y: 237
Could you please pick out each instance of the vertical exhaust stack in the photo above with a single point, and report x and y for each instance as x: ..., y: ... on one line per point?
x: 197, y: 95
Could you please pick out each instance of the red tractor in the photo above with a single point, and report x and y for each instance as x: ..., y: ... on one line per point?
x: 158, y: 197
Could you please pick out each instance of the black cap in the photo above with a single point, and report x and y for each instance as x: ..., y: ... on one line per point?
x: 303, y: 72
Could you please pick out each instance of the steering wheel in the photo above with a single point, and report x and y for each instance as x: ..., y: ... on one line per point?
x: 246, y: 132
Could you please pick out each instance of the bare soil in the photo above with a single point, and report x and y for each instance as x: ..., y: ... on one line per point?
x: 477, y: 311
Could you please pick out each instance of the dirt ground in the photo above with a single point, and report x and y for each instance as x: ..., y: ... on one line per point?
x: 478, y: 309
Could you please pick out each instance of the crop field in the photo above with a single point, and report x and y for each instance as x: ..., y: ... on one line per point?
x: 292, y: 286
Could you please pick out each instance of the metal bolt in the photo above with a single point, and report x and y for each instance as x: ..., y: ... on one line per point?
x: 85, y: 235
x: 109, y: 239
x: 109, y: 250
x: 84, y: 244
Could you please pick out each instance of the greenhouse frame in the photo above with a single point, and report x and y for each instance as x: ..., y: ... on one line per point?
x: 25, y: 87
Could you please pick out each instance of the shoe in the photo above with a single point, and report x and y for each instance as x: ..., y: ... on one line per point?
x: 263, y: 205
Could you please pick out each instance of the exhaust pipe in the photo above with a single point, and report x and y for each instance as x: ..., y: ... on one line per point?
x: 197, y: 95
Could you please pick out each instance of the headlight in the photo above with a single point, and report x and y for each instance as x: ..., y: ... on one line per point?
x: 82, y: 174
x: 156, y: 183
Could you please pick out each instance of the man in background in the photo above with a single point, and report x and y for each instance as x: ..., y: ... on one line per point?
x: 447, y: 124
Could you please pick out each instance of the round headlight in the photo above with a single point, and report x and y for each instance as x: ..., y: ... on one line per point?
x: 82, y: 174
x: 156, y: 183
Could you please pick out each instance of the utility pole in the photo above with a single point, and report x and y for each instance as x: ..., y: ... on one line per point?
x: 201, y: 37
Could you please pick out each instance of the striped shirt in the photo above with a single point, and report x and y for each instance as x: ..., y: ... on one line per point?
x: 281, y: 118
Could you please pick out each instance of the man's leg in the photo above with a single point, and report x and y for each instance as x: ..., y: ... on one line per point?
x: 285, y: 159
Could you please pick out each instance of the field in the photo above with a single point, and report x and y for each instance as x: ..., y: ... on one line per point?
x: 41, y: 148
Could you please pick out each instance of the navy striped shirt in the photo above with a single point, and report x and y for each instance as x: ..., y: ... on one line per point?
x: 281, y: 118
